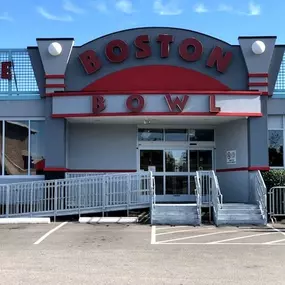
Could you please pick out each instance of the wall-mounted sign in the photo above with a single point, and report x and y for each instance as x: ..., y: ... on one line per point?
x: 152, y: 168
x: 135, y: 103
x: 231, y: 157
x: 189, y: 49
x: 6, y: 70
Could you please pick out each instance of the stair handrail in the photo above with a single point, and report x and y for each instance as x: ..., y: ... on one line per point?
x: 217, y: 196
x: 198, y: 193
x: 153, y: 190
x: 260, y: 191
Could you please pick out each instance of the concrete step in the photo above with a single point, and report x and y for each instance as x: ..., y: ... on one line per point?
x: 239, y: 211
x: 239, y: 217
x: 239, y: 206
x: 174, y: 214
x: 240, y: 222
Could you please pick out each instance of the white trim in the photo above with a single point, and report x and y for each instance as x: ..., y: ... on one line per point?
x: 22, y: 118
x: 29, y: 147
x: 25, y: 176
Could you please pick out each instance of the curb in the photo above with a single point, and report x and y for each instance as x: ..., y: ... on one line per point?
x: 5, y: 221
x: 108, y: 220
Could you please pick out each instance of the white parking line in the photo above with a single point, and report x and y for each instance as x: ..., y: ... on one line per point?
x: 277, y: 230
x: 175, y: 232
x: 203, y: 235
x: 236, y: 238
x: 153, y: 238
x: 49, y: 233
x: 275, y: 241
x: 171, y: 227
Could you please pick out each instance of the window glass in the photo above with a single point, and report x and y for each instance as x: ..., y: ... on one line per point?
x: 176, y: 185
x: 275, y: 148
x: 201, y: 135
x: 37, y: 147
x: 176, y: 135
x: 176, y: 160
x: 16, y: 148
x: 200, y: 160
x: 151, y: 158
x: 150, y: 135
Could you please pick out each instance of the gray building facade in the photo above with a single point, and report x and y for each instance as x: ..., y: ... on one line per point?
x: 169, y: 100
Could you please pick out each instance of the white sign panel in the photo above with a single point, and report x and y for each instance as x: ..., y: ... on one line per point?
x: 231, y: 157
x: 152, y: 168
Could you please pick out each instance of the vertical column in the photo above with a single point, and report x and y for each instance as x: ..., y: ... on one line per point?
x: 55, y: 54
x: 258, y: 54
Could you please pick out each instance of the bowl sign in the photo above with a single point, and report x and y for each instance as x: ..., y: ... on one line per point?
x: 6, y: 72
x: 231, y: 157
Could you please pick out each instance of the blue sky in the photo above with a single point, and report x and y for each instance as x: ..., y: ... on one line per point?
x: 22, y: 21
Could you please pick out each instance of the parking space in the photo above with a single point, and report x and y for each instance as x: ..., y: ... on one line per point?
x: 73, y: 253
x: 211, y: 235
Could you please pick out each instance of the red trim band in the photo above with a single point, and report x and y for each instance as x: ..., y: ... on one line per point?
x: 59, y: 169
x: 54, y: 76
x: 258, y: 84
x: 220, y: 114
x: 155, y: 92
x: 258, y: 75
x: 55, y: 86
x: 251, y: 168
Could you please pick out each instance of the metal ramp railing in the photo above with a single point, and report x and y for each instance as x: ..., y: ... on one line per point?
x: 276, y: 197
x: 76, y: 196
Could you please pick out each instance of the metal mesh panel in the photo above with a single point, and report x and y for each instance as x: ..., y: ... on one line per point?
x: 23, y: 81
x: 280, y: 83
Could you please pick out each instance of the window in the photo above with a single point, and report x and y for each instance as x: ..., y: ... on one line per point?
x: 276, y: 141
x: 201, y: 135
x: 275, y: 148
x: 150, y: 134
x: 22, y: 144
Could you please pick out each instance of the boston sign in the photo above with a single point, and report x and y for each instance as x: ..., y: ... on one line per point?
x: 189, y: 49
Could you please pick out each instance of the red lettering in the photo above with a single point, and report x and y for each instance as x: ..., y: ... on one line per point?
x: 213, y: 107
x: 195, y: 54
x: 98, y: 104
x: 135, y: 103
x: 90, y: 61
x: 118, y: 56
x: 142, y: 43
x: 177, y: 103
x: 6, y: 70
x: 165, y: 41
x: 221, y: 60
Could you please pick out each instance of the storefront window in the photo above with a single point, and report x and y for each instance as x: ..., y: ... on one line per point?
x: 176, y: 160
x: 176, y: 135
x: 201, y: 135
x: 150, y: 135
x: 23, y: 147
x: 37, y: 147
x: 275, y: 148
x: 16, y: 155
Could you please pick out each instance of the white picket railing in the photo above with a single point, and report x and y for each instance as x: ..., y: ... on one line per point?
x: 99, y: 193
x: 205, y: 182
x: 258, y: 189
x: 217, y: 196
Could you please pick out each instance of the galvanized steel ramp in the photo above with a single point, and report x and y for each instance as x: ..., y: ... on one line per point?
x: 76, y: 196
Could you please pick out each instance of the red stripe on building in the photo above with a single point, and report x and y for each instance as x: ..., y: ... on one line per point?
x: 258, y: 75
x: 54, y: 76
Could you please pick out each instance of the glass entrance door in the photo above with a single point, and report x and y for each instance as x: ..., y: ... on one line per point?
x: 174, y: 170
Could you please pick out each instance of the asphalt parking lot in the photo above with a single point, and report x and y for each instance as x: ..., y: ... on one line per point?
x: 73, y: 253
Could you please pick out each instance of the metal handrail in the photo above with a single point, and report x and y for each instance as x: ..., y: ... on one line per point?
x: 198, y: 191
x: 217, y: 196
x: 259, y: 188
x: 98, y: 193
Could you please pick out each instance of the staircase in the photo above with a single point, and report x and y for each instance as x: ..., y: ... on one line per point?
x: 239, y: 214
x: 175, y: 214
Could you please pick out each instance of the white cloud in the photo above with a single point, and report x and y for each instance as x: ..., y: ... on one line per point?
x: 200, y: 8
x: 100, y: 6
x: 70, y: 7
x: 254, y: 9
x: 125, y: 6
x: 5, y: 17
x: 47, y: 15
x: 169, y: 8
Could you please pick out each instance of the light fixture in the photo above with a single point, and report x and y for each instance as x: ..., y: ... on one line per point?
x: 55, y: 49
x: 258, y: 47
